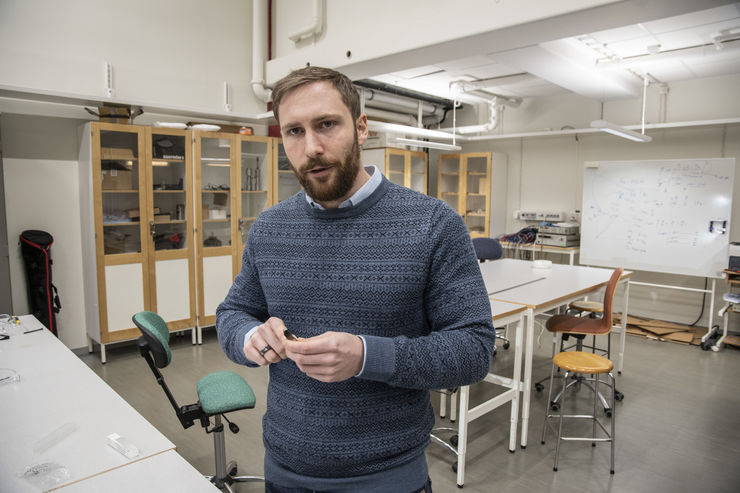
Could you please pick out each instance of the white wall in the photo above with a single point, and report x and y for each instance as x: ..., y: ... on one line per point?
x: 43, y: 194
x: 165, y: 53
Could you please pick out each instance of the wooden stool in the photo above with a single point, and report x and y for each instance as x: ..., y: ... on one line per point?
x: 587, y: 306
x: 588, y: 363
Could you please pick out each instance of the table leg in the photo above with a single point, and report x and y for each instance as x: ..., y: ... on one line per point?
x: 462, y: 435
x: 623, y: 335
x: 517, y: 382
x: 529, y: 348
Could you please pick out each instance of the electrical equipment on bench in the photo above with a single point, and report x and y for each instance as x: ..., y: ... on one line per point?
x: 734, y: 263
x: 561, y: 236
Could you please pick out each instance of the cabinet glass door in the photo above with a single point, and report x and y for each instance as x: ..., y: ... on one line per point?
x: 286, y: 184
x: 395, y: 168
x: 169, y: 199
x: 254, y: 176
x: 418, y: 171
x: 215, y: 193
x: 476, y: 195
x: 121, y: 201
x: 449, y: 180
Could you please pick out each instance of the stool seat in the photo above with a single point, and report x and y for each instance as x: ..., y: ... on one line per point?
x: 587, y: 306
x: 224, y: 391
x: 580, y: 362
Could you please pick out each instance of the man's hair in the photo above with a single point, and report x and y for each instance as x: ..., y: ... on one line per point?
x: 309, y: 75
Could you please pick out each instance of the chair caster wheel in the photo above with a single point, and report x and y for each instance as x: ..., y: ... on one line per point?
x: 506, y: 345
x: 539, y: 387
x: 706, y: 346
x: 554, y: 406
x: 231, y: 467
x: 619, y: 396
x: 454, y: 440
x: 454, y: 467
x: 608, y: 412
x: 555, y: 469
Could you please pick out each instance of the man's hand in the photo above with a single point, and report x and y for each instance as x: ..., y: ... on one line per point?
x: 268, y: 335
x: 330, y: 357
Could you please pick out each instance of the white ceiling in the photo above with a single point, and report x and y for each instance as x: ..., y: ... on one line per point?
x: 605, y: 65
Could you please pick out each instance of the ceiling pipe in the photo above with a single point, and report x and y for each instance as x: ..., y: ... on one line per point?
x: 700, y: 51
x: 493, y: 110
x: 316, y: 25
x: 571, y: 131
x: 391, y: 116
x: 259, y: 49
x: 380, y: 100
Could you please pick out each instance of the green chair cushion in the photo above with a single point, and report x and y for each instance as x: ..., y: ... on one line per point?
x: 158, y: 328
x: 224, y: 391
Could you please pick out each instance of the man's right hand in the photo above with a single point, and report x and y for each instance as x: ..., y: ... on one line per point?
x: 269, y: 334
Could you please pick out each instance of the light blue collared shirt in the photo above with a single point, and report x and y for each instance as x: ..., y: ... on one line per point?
x: 364, y: 192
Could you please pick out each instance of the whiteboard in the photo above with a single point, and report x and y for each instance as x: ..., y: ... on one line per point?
x: 655, y: 215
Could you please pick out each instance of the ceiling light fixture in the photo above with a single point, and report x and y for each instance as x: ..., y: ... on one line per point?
x: 613, y: 129
x: 430, y: 145
x: 394, y: 128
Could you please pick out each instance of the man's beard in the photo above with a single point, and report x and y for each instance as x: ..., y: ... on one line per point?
x: 337, y: 187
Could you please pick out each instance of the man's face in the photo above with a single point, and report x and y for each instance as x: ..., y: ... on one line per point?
x: 322, y: 141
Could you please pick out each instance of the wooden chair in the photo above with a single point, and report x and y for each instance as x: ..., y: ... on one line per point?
x: 580, y: 327
x: 588, y: 363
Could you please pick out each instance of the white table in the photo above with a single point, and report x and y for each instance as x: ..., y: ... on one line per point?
x: 58, y: 395
x: 164, y: 472
x: 530, y: 247
x: 547, y: 289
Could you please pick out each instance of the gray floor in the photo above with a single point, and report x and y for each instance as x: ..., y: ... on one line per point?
x: 678, y: 428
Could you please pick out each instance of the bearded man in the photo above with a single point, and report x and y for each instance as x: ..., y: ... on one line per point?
x: 382, y: 287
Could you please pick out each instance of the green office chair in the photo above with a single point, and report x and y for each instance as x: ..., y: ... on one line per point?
x: 218, y: 393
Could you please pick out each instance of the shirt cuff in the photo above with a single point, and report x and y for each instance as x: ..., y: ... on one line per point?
x: 249, y: 334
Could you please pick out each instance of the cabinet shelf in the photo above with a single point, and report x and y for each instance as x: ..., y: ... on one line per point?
x: 451, y: 174
x: 217, y: 220
x: 168, y: 191
x: 120, y: 191
x: 122, y: 223
x: 254, y: 191
x: 215, y: 191
x: 173, y: 221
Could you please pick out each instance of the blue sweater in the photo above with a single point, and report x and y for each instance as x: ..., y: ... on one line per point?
x: 399, y: 269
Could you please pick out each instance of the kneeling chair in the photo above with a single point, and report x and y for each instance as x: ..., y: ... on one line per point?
x: 218, y: 393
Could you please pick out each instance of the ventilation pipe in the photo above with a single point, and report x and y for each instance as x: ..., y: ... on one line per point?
x: 316, y: 25
x: 495, y: 106
x: 376, y: 99
x: 391, y: 116
x: 259, y: 49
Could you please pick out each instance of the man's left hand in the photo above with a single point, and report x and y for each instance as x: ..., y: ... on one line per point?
x: 329, y: 357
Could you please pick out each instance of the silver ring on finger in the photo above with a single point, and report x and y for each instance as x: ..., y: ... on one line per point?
x: 265, y: 349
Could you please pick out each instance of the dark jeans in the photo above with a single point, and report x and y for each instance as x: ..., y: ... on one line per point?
x: 275, y: 488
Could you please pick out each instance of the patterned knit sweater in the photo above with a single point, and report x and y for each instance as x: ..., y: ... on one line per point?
x: 399, y: 269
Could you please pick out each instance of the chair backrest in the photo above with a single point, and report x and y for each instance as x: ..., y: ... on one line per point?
x: 487, y: 248
x: 156, y: 336
x: 611, y: 289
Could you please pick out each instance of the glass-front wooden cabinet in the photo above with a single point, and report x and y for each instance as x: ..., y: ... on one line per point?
x: 402, y: 167
x: 136, y: 252
x: 165, y: 217
x: 464, y: 182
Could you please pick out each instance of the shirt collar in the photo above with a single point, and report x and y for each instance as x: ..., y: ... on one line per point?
x: 364, y: 192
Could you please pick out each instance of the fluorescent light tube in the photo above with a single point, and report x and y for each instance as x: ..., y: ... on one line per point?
x: 613, y: 129
x: 395, y: 128
x: 430, y: 145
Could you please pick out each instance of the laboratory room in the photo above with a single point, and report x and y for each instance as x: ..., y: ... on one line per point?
x: 390, y: 247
